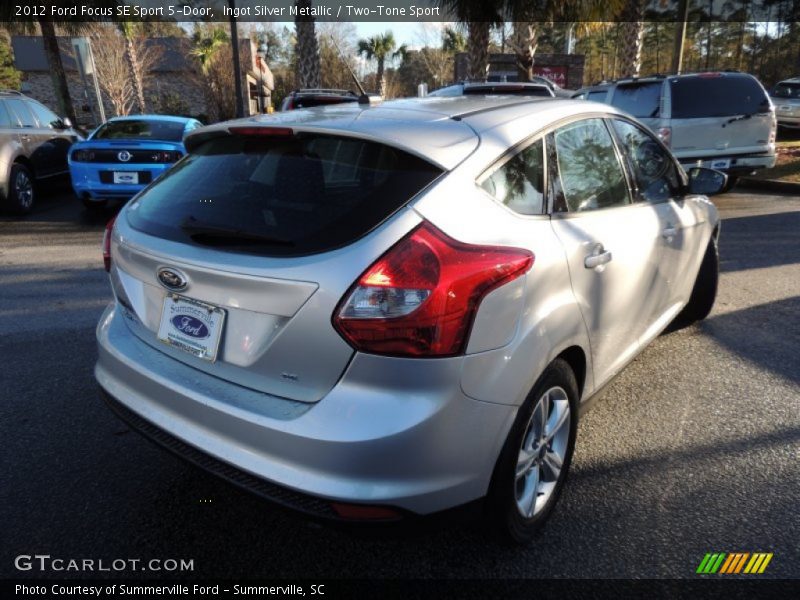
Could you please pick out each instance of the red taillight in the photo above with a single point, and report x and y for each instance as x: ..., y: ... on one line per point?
x: 420, y: 298
x: 107, y: 244
x: 263, y: 131
x: 665, y: 135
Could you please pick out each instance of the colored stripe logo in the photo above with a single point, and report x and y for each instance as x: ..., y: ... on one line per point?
x: 734, y: 563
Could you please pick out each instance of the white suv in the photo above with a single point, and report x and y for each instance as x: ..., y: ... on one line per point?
x: 722, y: 120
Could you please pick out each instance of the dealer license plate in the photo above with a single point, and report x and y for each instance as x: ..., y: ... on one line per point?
x: 192, y: 326
x: 126, y: 177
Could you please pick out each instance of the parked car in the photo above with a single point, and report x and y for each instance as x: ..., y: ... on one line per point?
x: 310, y: 97
x: 495, y: 87
x: 557, y: 90
x: 125, y: 154
x: 404, y: 311
x: 786, y: 98
x: 33, y: 149
x: 722, y: 120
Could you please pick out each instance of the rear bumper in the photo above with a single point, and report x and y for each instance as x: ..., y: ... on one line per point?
x: 786, y: 121
x: 404, y: 436
x: 736, y: 164
x: 86, y: 180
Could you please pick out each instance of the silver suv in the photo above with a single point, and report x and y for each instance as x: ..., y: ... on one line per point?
x: 377, y: 312
x: 33, y: 147
x: 723, y: 120
x: 786, y: 98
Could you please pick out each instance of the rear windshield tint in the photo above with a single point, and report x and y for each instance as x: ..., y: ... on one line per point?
x: 642, y: 100
x: 135, y: 129
x: 717, y: 96
x: 787, y: 90
x: 280, y: 196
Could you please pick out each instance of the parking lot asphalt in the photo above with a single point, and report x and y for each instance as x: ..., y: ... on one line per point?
x: 694, y: 448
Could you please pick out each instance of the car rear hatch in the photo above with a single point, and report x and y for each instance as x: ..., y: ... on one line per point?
x: 720, y: 115
x: 255, y: 237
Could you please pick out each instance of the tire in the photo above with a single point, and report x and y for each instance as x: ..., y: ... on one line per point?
x: 730, y: 183
x: 704, y: 292
x: 534, y: 490
x: 94, y: 205
x: 21, y: 190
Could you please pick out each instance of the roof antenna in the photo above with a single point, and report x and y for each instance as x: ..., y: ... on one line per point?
x: 364, y: 98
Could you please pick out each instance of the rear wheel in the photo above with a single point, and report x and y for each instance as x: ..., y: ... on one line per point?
x: 535, y: 459
x: 21, y: 192
x: 704, y: 292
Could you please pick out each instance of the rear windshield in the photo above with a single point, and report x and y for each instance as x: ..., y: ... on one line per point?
x: 135, y: 129
x: 717, y: 96
x: 280, y: 196
x: 787, y: 90
x: 641, y: 100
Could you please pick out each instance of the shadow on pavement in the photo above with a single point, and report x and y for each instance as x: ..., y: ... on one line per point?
x: 761, y: 241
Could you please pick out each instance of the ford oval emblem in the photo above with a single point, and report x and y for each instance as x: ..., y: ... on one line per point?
x: 190, y: 326
x: 172, y: 279
x: 124, y: 156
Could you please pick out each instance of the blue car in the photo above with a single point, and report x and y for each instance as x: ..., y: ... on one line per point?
x: 125, y: 154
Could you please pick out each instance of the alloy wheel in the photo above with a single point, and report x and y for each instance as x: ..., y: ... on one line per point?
x: 542, y: 452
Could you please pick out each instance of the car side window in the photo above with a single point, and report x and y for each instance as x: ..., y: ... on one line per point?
x: 5, y: 118
x: 519, y: 183
x: 654, y: 170
x: 46, y: 118
x: 597, y: 96
x: 590, y: 173
x: 21, y: 111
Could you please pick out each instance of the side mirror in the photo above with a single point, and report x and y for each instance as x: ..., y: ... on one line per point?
x: 67, y: 123
x: 706, y: 181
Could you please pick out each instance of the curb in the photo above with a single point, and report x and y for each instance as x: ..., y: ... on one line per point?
x: 770, y: 185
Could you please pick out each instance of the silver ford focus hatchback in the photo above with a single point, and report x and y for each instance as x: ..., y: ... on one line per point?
x: 382, y: 312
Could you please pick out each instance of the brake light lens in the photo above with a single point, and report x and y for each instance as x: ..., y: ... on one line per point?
x: 420, y: 298
x: 107, y: 244
x: 262, y: 131
x: 665, y: 135
x: 165, y: 156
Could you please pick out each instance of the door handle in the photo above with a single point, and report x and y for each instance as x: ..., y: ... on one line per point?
x: 597, y: 258
x: 26, y: 138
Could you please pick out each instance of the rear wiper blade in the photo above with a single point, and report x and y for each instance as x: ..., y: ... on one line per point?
x: 219, y: 234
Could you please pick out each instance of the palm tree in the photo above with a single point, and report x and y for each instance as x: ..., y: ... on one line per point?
x: 205, y: 46
x: 480, y: 16
x: 129, y: 31
x: 453, y: 40
x: 377, y: 48
x: 528, y: 18
x: 307, y: 49
x: 632, y: 36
